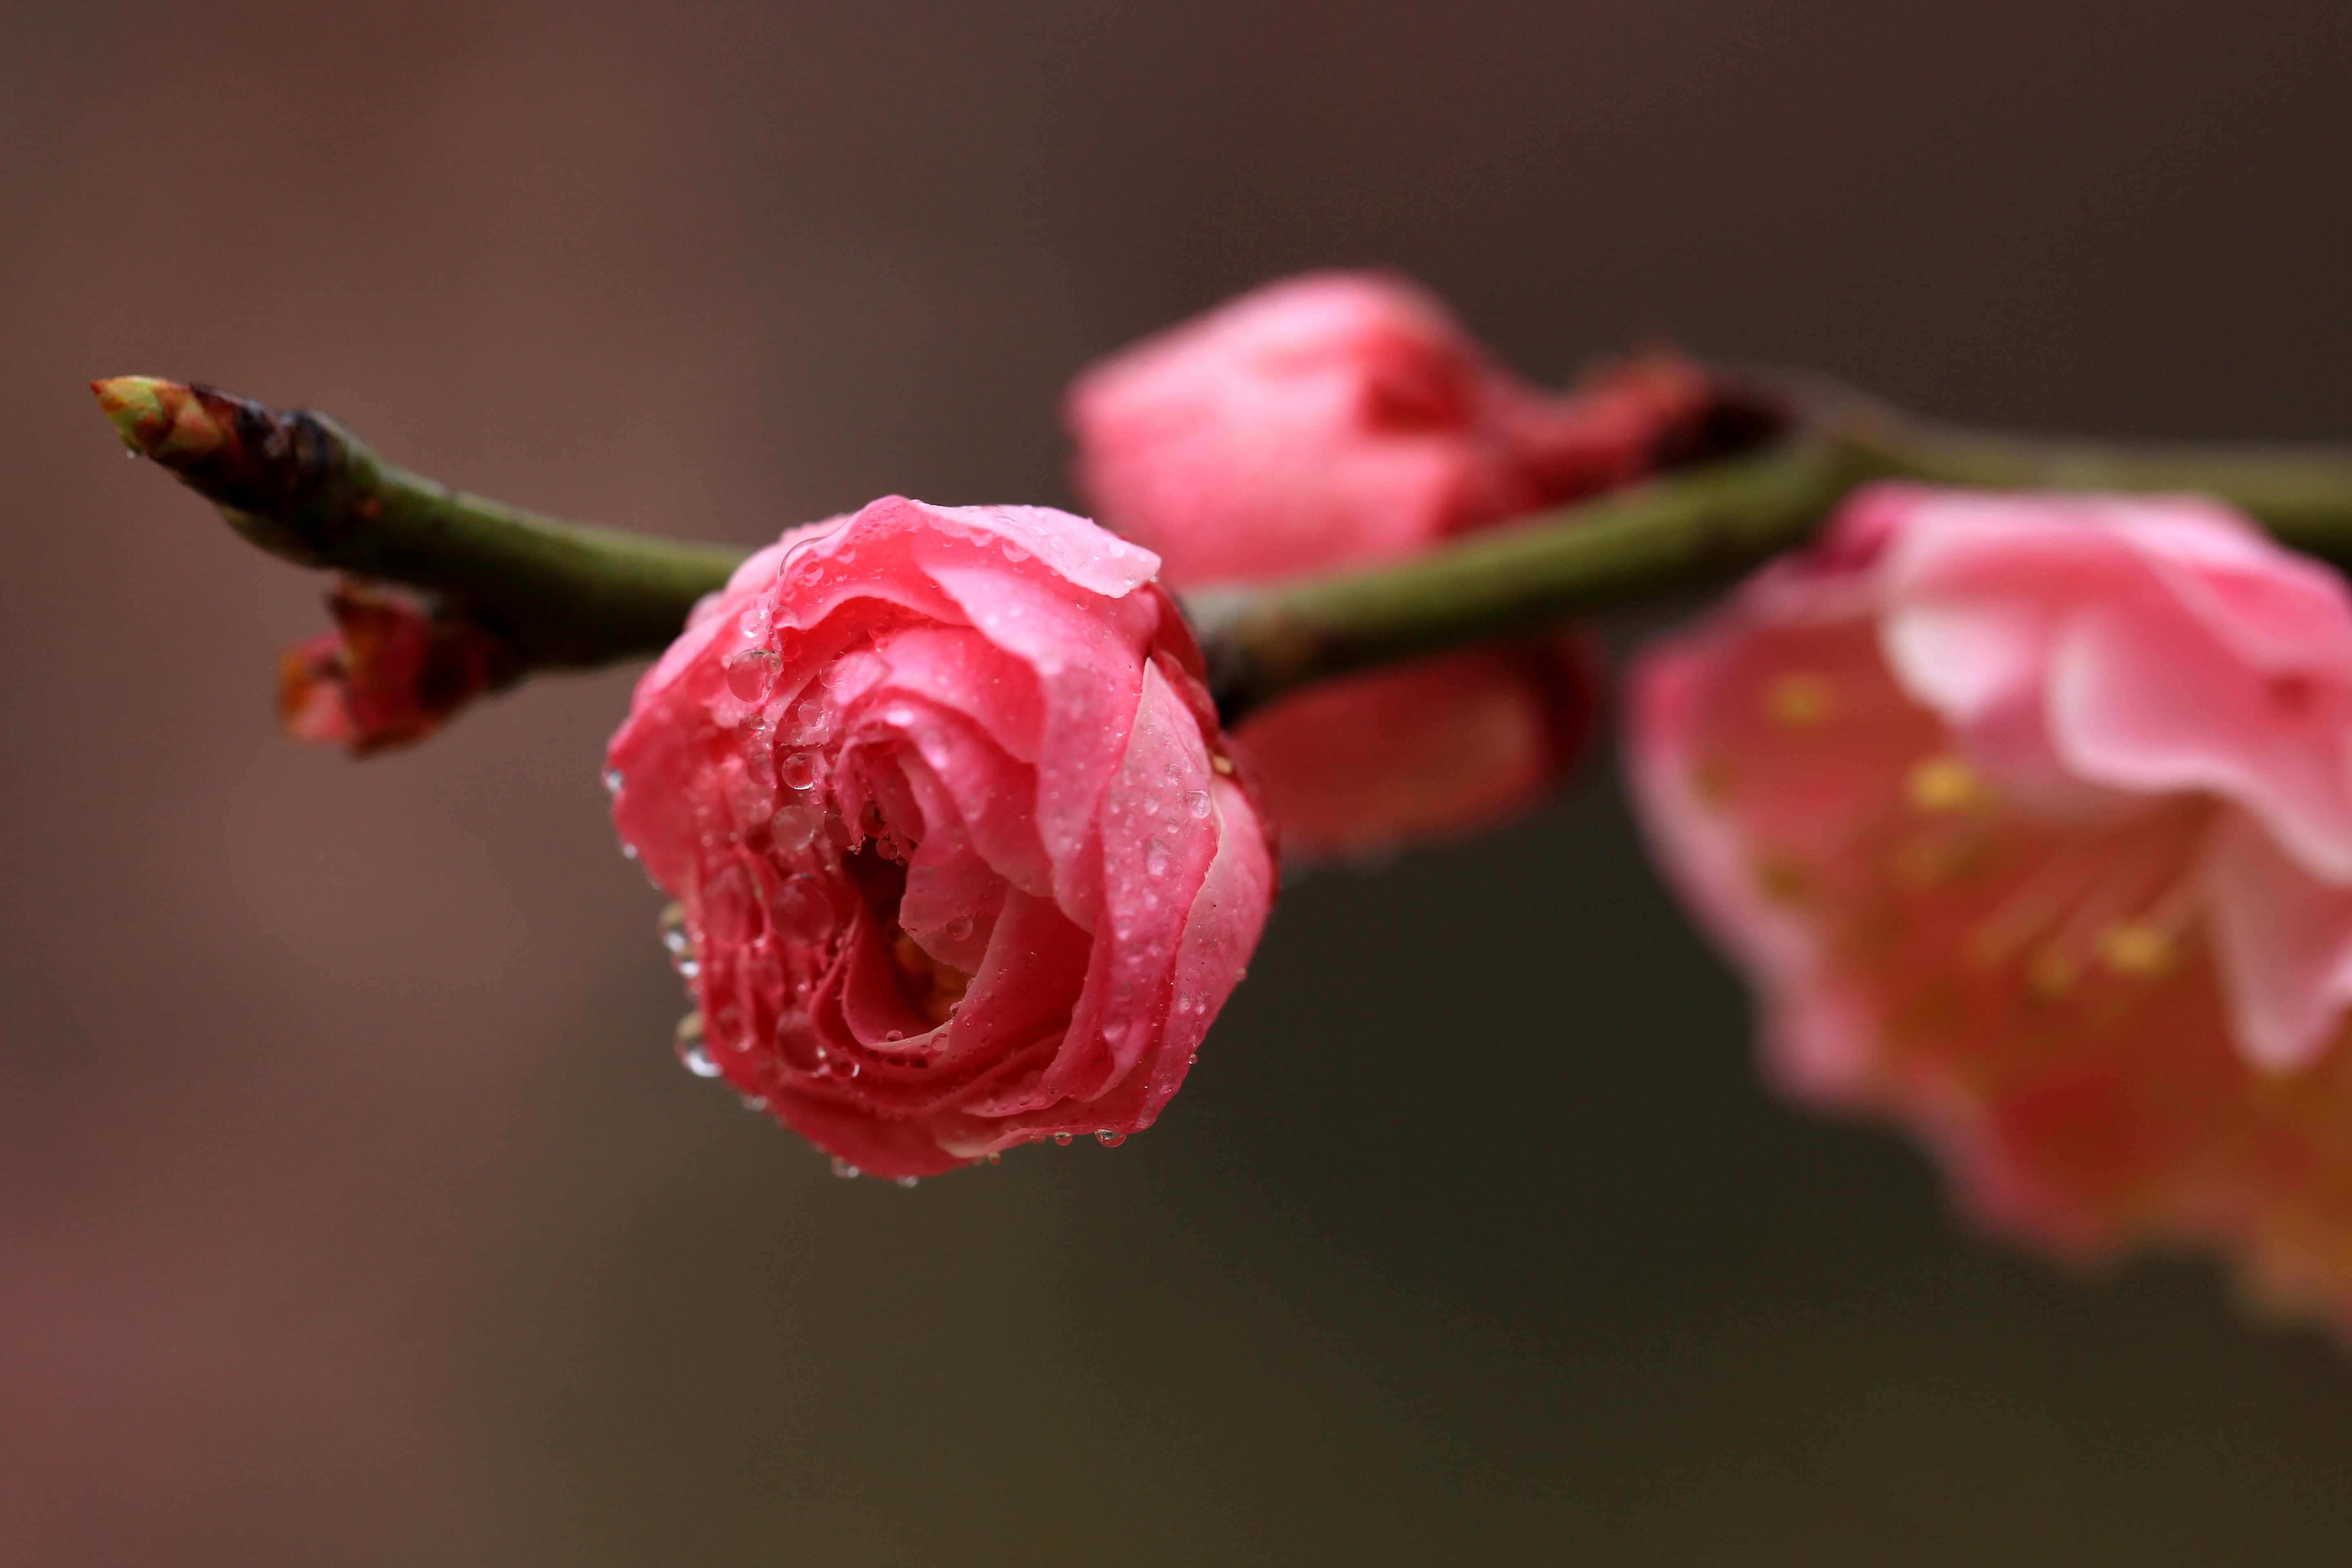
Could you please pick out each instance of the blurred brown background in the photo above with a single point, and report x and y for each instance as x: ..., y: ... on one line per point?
x: 352, y: 1210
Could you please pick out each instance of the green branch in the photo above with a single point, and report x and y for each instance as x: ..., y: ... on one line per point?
x: 2303, y: 495
x: 301, y: 486
x: 1671, y: 533
x: 562, y: 594
x: 1689, y: 529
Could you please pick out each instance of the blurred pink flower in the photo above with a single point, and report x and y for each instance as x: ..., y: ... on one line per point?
x: 1356, y: 765
x: 392, y: 671
x: 2029, y: 819
x: 1342, y: 419
x: 962, y: 860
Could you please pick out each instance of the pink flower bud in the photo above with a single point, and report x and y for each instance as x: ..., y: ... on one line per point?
x: 962, y: 860
x: 2030, y: 818
x: 392, y: 671
x: 1343, y: 420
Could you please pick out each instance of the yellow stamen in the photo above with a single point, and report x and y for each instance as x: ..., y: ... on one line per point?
x: 2052, y: 972
x: 1782, y: 882
x: 1946, y: 783
x: 2135, y: 948
x: 1798, y: 701
x: 1711, y: 780
x: 933, y: 986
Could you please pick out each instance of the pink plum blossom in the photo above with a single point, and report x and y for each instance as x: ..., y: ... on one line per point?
x: 961, y: 860
x: 1343, y: 419
x: 2029, y: 818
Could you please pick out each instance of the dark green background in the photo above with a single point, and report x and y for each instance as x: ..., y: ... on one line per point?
x: 351, y: 1208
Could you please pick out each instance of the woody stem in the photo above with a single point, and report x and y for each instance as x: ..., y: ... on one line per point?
x: 1687, y: 529
x: 563, y: 595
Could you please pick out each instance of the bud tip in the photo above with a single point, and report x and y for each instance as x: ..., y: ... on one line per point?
x: 165, y: 420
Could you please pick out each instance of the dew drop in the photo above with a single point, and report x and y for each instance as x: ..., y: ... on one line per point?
x: 803, y: 910
x: 752, y: 674
x: 1109, y: 1139
x: 959, y: 929
x: 810, y: 722
x: 799, y: 770
x: 1194, y: 1057
x: 794, y: 827
x: 1196, y: 801
x: 892, y: 1037
x: 844, y: 1170
x: 754, y: 1102
x: 693, y: 1051
x: 905, y: 1181
x: 1155, y: 859
x: 612, y: 781
x: 680, y: 943
x: 1013, y: 552
x: 796, y: 1041
x: 1062, y: 1138
x: 996, y: 1159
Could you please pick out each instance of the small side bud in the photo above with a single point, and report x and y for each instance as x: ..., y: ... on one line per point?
x: 393, y: 670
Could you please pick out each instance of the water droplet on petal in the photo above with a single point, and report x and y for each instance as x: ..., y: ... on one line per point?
x: 1013, y: 552
x: 810, y: 722
x: 892, y: 1037
x: 799, y: 770
x: 1109, y: 1139
x: 1196, y: 801
x: 803, y: 910
x: 794, y: 827
x: 612, y: 781
x: 752, y: 674
x: 693, y: 1053
x: 904, y: 1181
x: 1194, y: 1057
x: 796, y: 1041
x: 1062, y: 1138
x: 754, y: 1102
x: 996, y: 1159
x: 844, y: 1170
x: 674, y: 937
x: 1155, y: 859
